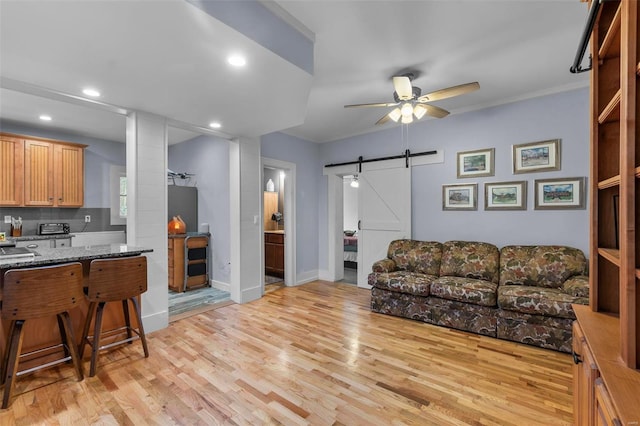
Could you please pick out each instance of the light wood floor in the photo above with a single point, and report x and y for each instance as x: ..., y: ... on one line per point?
x: 313, y: 354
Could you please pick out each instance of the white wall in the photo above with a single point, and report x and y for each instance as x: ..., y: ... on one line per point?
x: 350, y: 206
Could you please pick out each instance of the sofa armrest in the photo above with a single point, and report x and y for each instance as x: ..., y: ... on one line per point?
x: 384, y: 265
x: 577, y: 286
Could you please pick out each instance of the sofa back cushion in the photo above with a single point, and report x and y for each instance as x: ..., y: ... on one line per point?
x: 416, y: 256
x: 540, y: 266
x: 470, y: 259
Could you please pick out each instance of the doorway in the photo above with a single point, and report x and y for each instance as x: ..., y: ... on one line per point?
x: 278, y: 223
x: 350, y: 186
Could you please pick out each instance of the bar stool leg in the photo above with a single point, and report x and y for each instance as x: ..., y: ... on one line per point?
x: 95, y: 348
x: 127, y: 319
x: 67, y: 330
x: 140, y: 327
x: 12, y: 359
x: 63, y: 336
x: 85, y: 330
x: 5, y: 357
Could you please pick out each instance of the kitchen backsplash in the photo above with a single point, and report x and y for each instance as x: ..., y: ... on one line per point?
x: 33, y: 216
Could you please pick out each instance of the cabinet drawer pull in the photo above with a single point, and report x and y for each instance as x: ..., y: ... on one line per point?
x: 32, y: 246
x: 577, y: 359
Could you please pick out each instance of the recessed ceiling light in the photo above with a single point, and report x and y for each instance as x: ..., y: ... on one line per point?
x: 237, y: 60
x: 91, y: 92
x: 215, y: 125
x: 45, y: 117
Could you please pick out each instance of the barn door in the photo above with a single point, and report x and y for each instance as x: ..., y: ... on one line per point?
x: 384, y: 209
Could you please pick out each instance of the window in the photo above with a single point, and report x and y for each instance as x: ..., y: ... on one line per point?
x: 118, y: 200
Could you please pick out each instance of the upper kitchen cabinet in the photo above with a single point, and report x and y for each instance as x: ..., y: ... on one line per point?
x: 11, y: 170
x: 51, y: 175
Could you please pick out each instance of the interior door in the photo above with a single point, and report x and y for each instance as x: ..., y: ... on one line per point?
x: 384, y: 208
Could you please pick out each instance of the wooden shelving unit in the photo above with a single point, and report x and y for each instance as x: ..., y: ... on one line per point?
x: 610, y: 326
x: 188, y: 267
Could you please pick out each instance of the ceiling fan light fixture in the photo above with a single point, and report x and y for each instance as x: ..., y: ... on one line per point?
x: 419, y: 111
x: 406, y: 110
x: 406, y: 119
x: 395, y: 114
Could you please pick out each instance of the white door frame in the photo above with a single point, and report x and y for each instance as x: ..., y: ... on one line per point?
x: 290, y: 274
x: 335, y: 247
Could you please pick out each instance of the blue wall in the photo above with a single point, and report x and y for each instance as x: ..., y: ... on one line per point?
x: 208, y: 158
x: 562, y: 116
x: 308, y: 170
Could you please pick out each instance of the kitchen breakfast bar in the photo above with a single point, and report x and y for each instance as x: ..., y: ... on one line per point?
x: 43, y: 332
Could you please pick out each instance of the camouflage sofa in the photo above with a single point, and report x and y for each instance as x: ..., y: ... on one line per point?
x: 519, y: 293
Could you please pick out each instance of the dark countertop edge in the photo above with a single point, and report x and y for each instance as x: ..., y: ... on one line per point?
x: 47, y: 260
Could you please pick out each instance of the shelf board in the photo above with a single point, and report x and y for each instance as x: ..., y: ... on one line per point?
x: 612, y: 111
x: 638, y: 274
x: 610, y: 46
x: 637, y: 170
x: 612, y: 255
x: 638, y: 69
x: 608, y: 183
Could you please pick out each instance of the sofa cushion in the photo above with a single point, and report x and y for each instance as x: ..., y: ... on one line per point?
x: 403, y: 282
x: 384, y: 265
x: 538, y: 300
x: 577, y: 286
x: 540, y: 266
x: 470, y: 260
x: 468, y: 290
x: 416, y: 256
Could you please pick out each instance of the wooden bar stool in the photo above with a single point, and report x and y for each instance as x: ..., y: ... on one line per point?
x: 114, y: 280
x: 39, y: 292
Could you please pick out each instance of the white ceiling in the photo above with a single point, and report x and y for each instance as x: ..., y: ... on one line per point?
x: 168, y: 57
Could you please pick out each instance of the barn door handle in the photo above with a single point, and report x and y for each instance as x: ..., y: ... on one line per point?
x: 359, y: 225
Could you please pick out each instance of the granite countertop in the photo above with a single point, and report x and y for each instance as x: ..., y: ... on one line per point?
x: 40, y: 237
x: 50, y: 256
x: 190, y: 234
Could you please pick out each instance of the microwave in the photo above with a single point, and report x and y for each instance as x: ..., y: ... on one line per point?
x: 53, y: 228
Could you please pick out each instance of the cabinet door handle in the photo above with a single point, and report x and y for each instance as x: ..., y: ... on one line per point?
x: 359, y: 226
x: 577, y: 359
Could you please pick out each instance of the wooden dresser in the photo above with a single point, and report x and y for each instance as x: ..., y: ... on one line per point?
x: 188, y: 261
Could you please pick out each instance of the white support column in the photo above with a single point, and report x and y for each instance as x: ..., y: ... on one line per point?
x: 147, y: 209
x: 246, y: 220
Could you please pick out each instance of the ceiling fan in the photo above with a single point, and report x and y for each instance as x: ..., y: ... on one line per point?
x: 409, y: 101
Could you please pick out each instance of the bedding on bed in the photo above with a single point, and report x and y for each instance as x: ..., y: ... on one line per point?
x: 351, y: 248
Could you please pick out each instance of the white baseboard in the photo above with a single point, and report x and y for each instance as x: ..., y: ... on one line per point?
x: 326, y: 276
x: 307, y: 277
x: 220, y: 285
x: 157, y: 321
x: 250, y: 294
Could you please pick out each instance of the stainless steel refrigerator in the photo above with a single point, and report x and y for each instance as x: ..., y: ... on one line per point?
x: 183, y: 201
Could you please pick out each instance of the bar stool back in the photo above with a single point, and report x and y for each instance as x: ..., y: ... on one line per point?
x: 39, y: 292
x: 111, y: 280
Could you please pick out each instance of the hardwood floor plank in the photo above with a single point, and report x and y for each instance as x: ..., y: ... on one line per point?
x: 313, y: 354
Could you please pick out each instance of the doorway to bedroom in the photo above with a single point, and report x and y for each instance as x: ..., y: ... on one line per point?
x: 350, y: 228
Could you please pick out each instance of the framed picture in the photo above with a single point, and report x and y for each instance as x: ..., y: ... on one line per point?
x: 505, y: 195
x: 476, y: 163
x: 541, y: 156
x: 460, y: 197
x: 2, y: 236
x: 564, y: 193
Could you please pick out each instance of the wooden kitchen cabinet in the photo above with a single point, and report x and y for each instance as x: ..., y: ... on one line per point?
x: 11, y: 170
x: 46, y: 173
x: 274, y: 254
x: 188, y: 257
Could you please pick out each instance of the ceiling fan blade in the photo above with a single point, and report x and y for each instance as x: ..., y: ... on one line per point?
x: 403, y: 88
x: 384, y: 119
x: 380, y: 104
x: 450, y: 92
x: 435, y: 111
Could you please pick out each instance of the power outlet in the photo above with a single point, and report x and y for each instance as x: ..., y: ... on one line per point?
x: 7, y: 219
x: 87, y: 219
